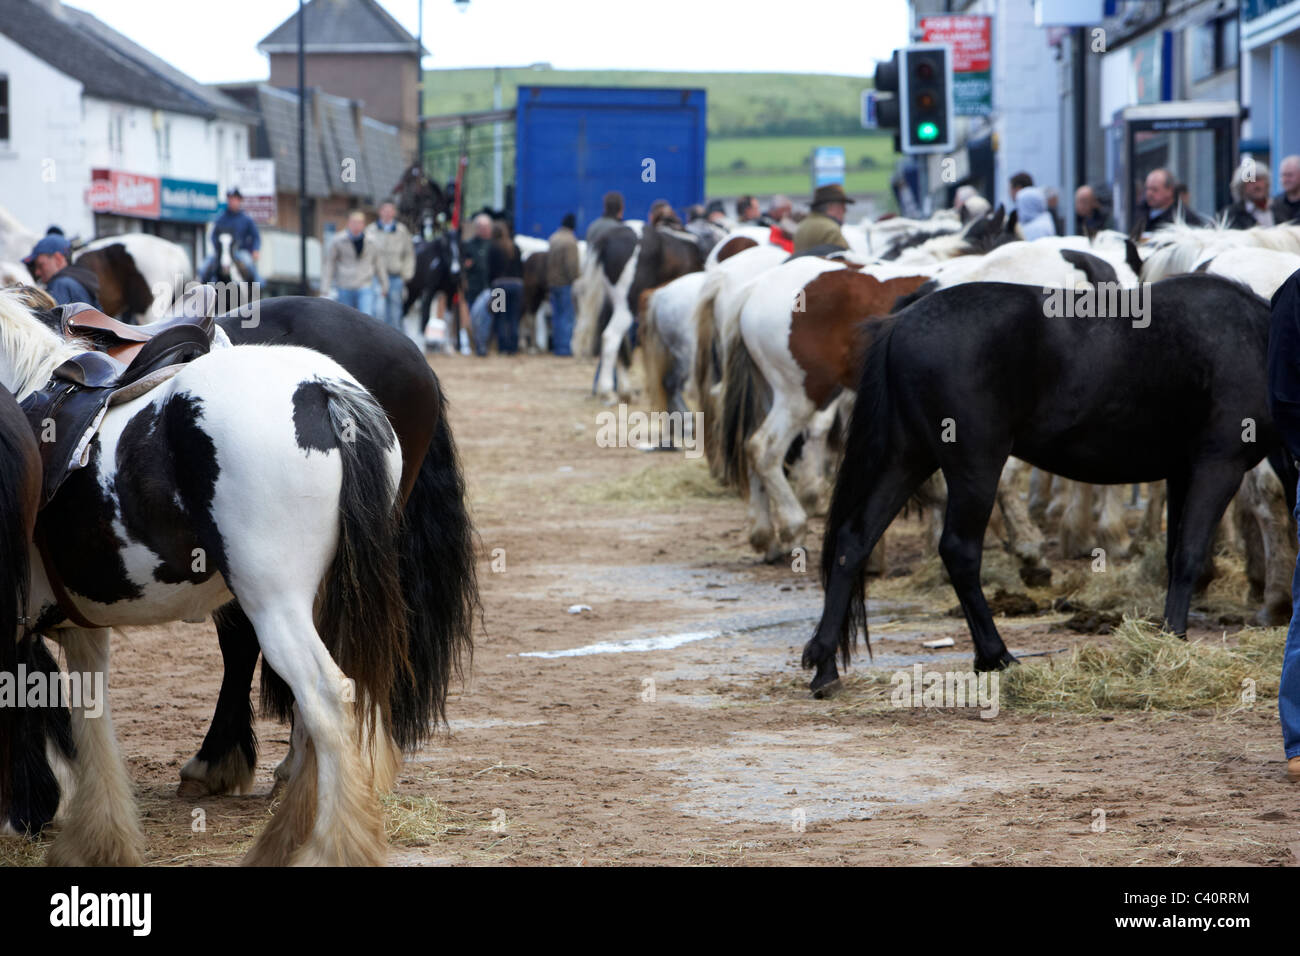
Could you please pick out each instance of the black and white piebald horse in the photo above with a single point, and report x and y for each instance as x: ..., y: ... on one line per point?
x: 436, y: 559
x: 631, y: 266
x: 436, y: 534
x: 263, y: 475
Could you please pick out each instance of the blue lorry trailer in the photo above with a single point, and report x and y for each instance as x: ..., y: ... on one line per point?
x: 575, y: 143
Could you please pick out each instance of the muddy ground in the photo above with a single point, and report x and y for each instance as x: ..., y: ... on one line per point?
x: 707, y: 748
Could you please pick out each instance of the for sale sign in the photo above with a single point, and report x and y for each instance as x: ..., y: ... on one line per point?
x: 971, y: 39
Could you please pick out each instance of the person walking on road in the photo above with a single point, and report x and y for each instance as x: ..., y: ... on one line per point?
x: 396, y: 252
x: 351, y: 265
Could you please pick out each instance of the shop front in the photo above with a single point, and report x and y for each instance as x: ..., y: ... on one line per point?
x: 177, y: 210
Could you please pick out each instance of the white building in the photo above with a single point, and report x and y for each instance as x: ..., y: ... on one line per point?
x: 1019, y: 135
x: 99, y: 136
x: 1270, y: 41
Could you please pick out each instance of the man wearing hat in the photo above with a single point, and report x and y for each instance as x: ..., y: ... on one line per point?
x: 245, y: 243
x: 821, y: 227
x: 65, y: 283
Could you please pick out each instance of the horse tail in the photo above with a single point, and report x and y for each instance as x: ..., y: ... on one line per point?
x: 20, y: 471
x: 708, y: 369
x: 42, y: 733
x: 588, y: 304
x: 743, y: 392
x: 655, y: 358
x: 865, y: 455
x: 362, y: 613
x: 440, y: 583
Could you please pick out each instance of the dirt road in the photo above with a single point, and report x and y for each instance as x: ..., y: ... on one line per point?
x: 670, y: 724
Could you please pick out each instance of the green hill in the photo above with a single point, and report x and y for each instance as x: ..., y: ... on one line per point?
x: 740, y: 104
x: 762, y: 126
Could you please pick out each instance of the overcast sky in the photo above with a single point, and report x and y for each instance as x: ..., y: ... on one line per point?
x: 215, y: 40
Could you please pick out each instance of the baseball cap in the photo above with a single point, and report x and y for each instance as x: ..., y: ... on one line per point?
x: 47, y: 245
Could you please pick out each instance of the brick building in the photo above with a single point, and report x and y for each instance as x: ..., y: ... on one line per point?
x: 355, y: 50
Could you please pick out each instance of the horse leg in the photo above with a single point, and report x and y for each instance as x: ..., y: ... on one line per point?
x: 854, y: 540
x: 971, y: 494
x: 1040, y: 495
x: 1207, y: 493
x: 1024, y: 540
x: 610, y: 340
x: 1248, y: 533
x: 1265, y: 525
x: 103, y: 828
x: 1112, y: 533
x: 330, y: 814
x: 809, y: 471
x: 1077, y: 538
x: 228, y: 758
x: 292, y: 762
x: 1154, y: 514
x: 1061, y: 489
x: 766, y: 449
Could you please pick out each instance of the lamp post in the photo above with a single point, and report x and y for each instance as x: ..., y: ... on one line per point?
x: 302, y: 154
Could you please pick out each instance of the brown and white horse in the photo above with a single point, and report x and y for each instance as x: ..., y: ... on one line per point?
x: 797, y: 348
x: 140, y: 276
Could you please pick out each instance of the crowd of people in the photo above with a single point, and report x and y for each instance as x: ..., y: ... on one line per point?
x: 1164, y: 200
x: 368, y: 265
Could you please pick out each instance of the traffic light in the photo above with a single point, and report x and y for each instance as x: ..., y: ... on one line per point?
x: 924, y: 78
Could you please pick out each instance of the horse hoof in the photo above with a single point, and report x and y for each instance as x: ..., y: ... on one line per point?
x: 1036, y: 577
x: 1001, y: 663
x: 192, y: 789
x: 826, y: 679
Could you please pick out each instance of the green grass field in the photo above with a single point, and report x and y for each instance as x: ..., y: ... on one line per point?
x: 740, y: 104
x: 782, y: 164
x: 762, y: 126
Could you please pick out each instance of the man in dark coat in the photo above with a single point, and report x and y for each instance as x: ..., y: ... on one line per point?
x: 1161, y: 206
x: 65, y: 283
x: 1284, y: 403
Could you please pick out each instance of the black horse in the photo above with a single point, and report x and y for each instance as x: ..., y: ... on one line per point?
x: 437, y: 270
x: 966, y: 376
x: 23, y: 731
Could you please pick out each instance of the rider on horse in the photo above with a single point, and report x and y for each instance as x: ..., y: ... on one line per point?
x: 245, y: 240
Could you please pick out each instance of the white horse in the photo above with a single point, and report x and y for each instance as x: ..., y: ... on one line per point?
x: 668, y: 341
x: 716, y: 311
x: 260, y: 473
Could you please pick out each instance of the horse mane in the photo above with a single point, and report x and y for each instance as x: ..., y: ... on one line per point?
x: 33, y: 349
x: 1179, y: 248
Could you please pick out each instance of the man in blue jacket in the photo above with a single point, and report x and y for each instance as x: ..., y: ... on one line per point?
x: 65, y: 283
x: 246, y: 241
x: 1284, y: 402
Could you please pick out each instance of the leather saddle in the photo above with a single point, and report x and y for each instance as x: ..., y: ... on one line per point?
x: 129, y: 360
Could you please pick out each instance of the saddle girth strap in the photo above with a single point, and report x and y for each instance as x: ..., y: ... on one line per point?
x: 66, y: 603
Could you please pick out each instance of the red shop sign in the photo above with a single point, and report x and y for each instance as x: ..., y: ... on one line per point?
x: 129, y: 194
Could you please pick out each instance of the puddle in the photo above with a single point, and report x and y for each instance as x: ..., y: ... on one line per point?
x: 489, y: 722
x: 639, y: 645
x: 782, y: 778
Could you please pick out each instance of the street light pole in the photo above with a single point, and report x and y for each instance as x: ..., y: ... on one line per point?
x: 302, y: 153
x: 498, y: 195
x: 419, y: 81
